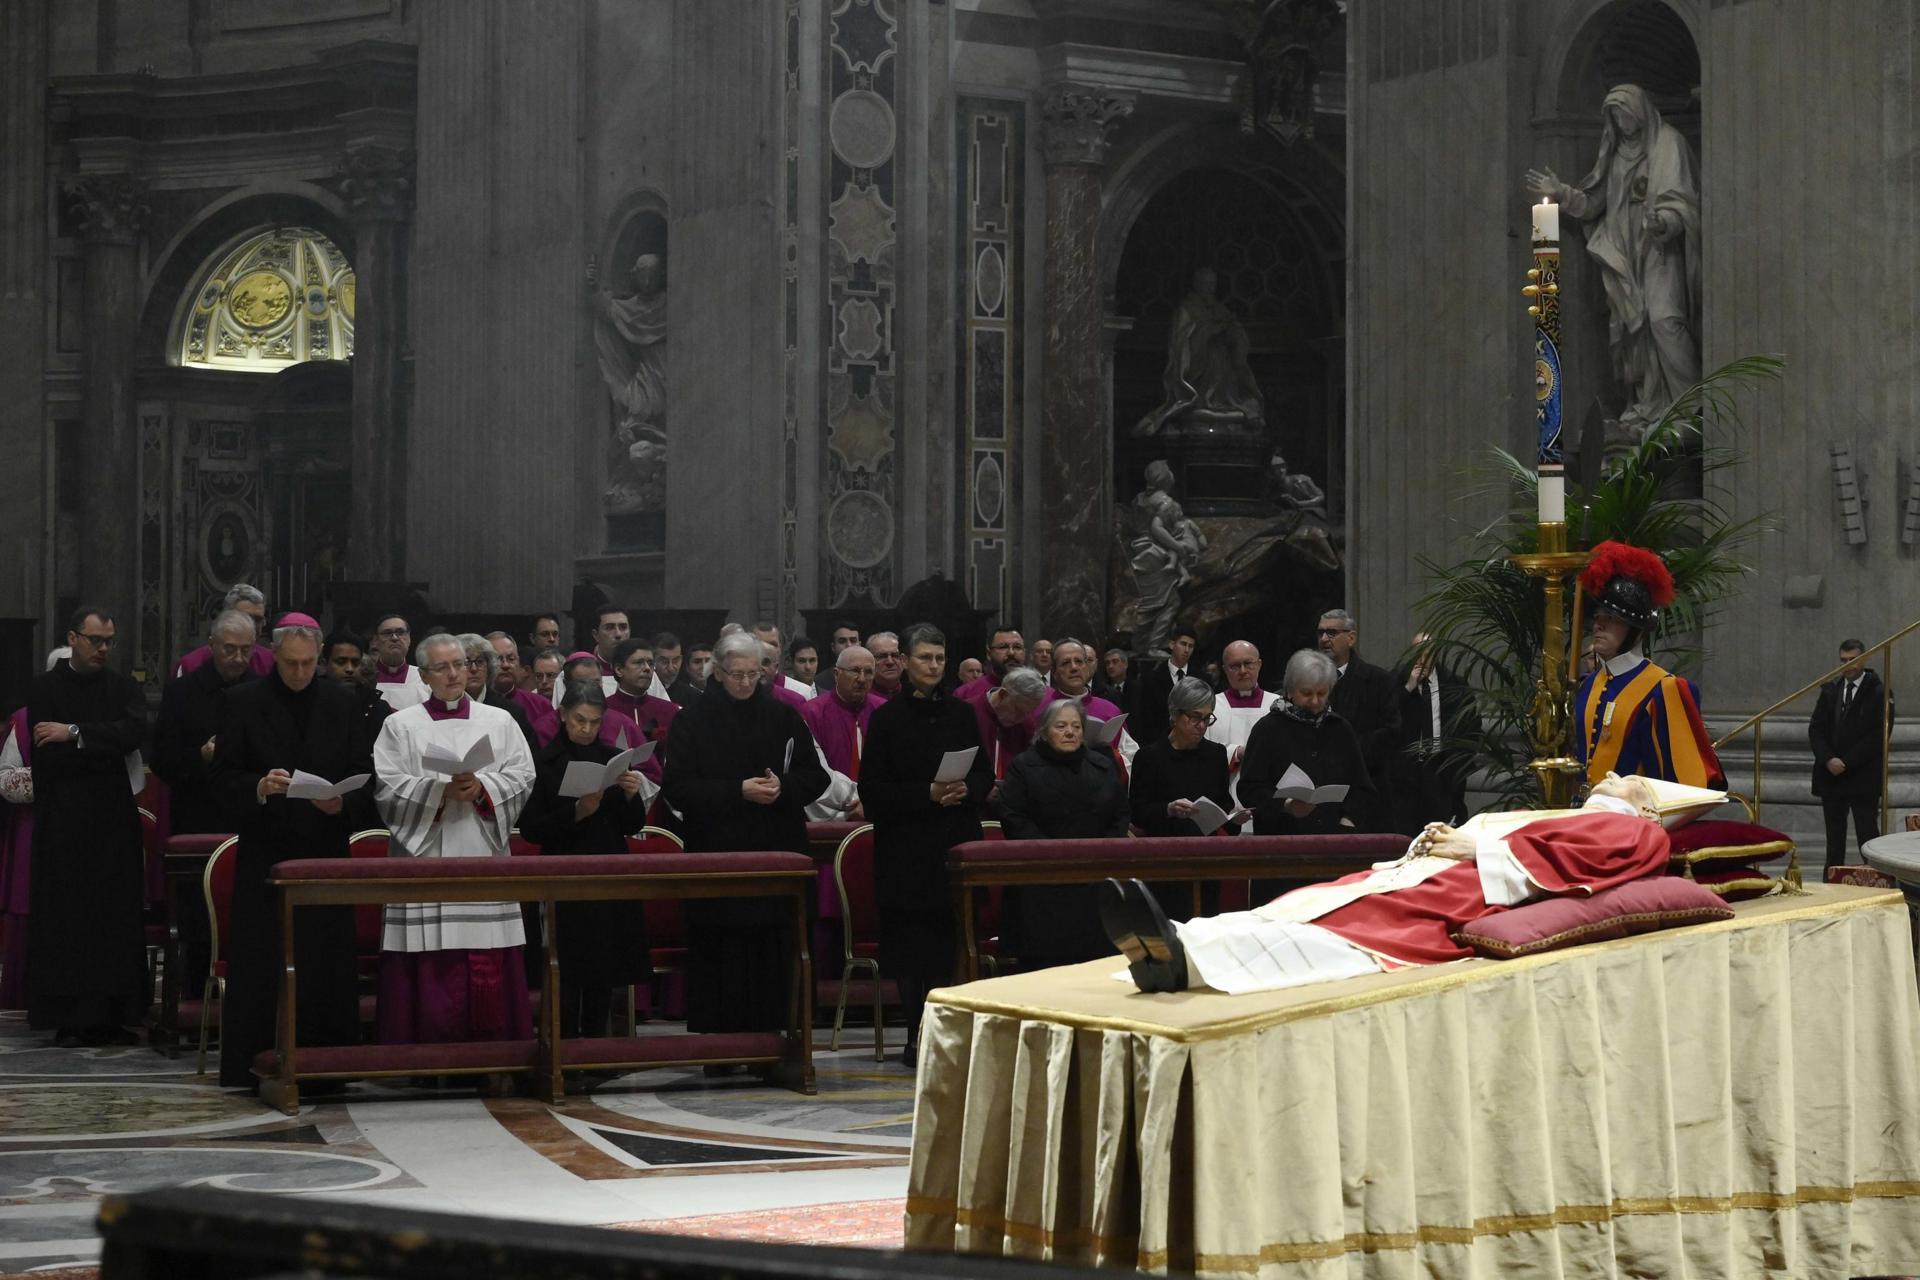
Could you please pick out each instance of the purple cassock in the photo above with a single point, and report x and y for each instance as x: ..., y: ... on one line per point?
x: 542, y: 716
x: 16, y: 843
x: 260, y: 661
x: 650, y: 717
x: 841, y: 730
x: 976, y: 688
x: 779, y: 690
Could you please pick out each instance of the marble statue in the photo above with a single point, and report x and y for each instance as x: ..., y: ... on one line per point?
x: 1207, y: 378
x: 1163, y: 547
x: 630, y: 332
x: 1641, y: 207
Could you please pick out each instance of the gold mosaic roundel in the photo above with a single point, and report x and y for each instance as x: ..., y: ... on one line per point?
x: 260, y: 298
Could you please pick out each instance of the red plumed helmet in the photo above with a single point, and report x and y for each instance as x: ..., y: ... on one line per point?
x: 1630, y: 581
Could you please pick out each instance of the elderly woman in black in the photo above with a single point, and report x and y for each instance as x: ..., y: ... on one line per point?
x: 602, y: 944
x: 1302, y: 731
x: 1058, y: 790
x: 1172, y: 773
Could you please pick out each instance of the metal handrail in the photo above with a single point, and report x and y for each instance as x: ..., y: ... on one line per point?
x: 1757, y: 721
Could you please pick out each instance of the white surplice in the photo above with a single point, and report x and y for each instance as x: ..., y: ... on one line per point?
x: 401, y: 694
x: 409, y: 800
x: 1231, y: 728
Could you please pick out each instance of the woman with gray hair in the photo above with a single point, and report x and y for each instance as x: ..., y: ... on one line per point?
x: 1059, y: 790
x: 1302, y: 731
x: 1170, y: 774
x: 483, y: 663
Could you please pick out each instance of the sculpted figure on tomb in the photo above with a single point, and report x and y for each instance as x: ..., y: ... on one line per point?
x: 1640, y: 204
x: 1163, y: 546
x: 630, y: 333
x: 1207, y: 377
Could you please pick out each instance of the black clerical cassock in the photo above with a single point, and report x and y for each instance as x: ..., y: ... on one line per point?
x: 87, y: 963
x: 320, y: 729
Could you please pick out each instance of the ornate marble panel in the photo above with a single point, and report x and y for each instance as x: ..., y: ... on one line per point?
x: 991, y: 154
x: 862, y: 128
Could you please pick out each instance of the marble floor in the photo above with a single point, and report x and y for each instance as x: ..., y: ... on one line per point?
x: 78, y: 1124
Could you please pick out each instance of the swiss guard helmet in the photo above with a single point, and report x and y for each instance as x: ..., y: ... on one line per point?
x: 1632, y: 583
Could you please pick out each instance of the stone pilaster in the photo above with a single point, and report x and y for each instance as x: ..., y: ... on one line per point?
x: 1075, y: 122
x: 112, y: 210
x: 377, y: 182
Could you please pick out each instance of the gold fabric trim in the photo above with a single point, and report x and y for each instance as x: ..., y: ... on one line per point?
x: 1290, y: 1251
x: 1739, y: 852
x: 1453, y: 974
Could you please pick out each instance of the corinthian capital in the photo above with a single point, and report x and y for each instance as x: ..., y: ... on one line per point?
x: 377, y: 182
x: 1076, y: 120
x: 111, y: 207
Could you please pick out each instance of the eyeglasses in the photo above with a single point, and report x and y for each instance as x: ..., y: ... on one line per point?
x: 98, y: 642
x: 391, y: 633
x: 738, y: 677
x: 476, y: 664
x: 1194, y: 718
x: 1333, y: 631
x: 1245, y: 664
x: 889, y: 657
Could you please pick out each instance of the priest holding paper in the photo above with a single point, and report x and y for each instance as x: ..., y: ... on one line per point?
x: 451, y: 776
x: 1304, y: 735
x: 286, y: 737
x: 917, y: 818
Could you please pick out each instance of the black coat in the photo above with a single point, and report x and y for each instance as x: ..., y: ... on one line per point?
x: 87, y: 962
x: 1162, y: 775
x: 322, y: 730
x: 1328, y: 751
x: 1050, y: 796
x: 602, y: 944
x: 911, y: 834
x: 191, y: 710
x: 1431, y: 786
x: 739, y: 962
x: 1367, y: 698
x: 1147, y: 718
x: 1858, y: 738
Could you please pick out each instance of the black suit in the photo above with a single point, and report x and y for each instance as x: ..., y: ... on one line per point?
x: 191, y: 710
x: 1422, y: 787
x: 1855, y: 735
x: 1148, y: 720
x: 1367, y: 697
x: 322, y: 730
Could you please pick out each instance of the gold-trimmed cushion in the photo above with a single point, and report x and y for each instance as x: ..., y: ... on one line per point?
x: 1639, y: 906
x: 1730, y: 843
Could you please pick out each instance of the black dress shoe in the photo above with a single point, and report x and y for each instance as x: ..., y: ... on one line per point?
x: 1165, y: 967
x: 910, y: 1055
x: 1116, y: 918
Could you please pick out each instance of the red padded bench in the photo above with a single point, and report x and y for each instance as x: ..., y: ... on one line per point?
x: 1194, y: 859
x: 364, y: 881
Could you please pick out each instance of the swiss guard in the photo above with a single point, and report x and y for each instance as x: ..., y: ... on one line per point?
x: 1632, y: 716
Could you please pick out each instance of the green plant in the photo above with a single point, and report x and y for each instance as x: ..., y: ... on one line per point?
x: 1484, y: 616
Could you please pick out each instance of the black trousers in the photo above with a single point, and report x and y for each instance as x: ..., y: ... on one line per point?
x: 1866, y: 823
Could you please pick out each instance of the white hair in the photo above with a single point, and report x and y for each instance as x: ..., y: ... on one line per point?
x: 738, y: 644
x: 1060, y: 707
x: 1309, y: 669
x: 243, y: 593
x: 438, y: 640
x: 233, y: 620
x: 475, y: 645
x: 1024, y: 683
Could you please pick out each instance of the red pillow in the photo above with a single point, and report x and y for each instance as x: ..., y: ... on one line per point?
x: 1732, y: 883
x: 1639, y: 906
x: 1733, y: 843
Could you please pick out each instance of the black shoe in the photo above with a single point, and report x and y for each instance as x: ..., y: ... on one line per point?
x: 1165, y: 968
x: 1116, y: 917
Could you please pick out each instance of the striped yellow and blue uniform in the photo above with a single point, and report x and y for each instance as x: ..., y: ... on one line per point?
x: 1643, y: 721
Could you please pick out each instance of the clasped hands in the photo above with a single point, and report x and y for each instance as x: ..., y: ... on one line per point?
x: 764, y: 789
x: 947, y: 793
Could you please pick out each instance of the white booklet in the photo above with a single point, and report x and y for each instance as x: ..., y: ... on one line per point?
x: 954, y: 765
x: 438, y: 759
x: 1296, y: 785
x: 311, y: 786
x: 1101, y: 733
x: 1208, y: 816
x: 585, y: 778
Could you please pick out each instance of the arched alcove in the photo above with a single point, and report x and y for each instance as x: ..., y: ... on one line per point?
x: 270, y: 299
x: 629, y: 318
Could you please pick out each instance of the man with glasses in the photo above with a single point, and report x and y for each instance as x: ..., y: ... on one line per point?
x: 86, y: 947
x: 1365, y: 696
x: 243, y: 598
x: 191, y: 712
x: 451, y: 971
x: 839, y: 721
x: 395, y: 678
x: 1006, y: 649
x: 889, y: 664
x: 1241, y: 707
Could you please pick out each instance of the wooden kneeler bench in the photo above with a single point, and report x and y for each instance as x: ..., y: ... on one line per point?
x: 549, y: 880
x: 1193, y: 859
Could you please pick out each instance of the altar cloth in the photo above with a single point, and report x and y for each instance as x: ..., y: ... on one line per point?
x: 1737, y: 1099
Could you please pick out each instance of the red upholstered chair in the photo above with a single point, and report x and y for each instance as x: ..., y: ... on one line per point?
x: 666, y: 924
x: 519, y: 846
x: 368, y: 918
x: 859, y: 929
x: 216, y: 886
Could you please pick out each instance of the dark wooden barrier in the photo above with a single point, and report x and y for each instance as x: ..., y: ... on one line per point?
x: 205, y: 1234
x: 1190, y: 859
x: 547, y: 881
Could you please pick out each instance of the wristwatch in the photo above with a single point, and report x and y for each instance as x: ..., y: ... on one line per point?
x: 73, y: 732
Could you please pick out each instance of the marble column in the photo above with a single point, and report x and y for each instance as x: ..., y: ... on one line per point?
x: 378, y: 184
x: 111, y: 209
x: 1075, y: 452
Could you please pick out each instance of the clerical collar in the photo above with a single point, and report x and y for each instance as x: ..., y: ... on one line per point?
x: 1254, y: 698
x: 1621, y: 663
x: 441, y: 709
x: 384, y: 674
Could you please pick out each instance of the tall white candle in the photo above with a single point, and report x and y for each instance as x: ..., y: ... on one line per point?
x: 1553, y: 497
x: 1546, y: 222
